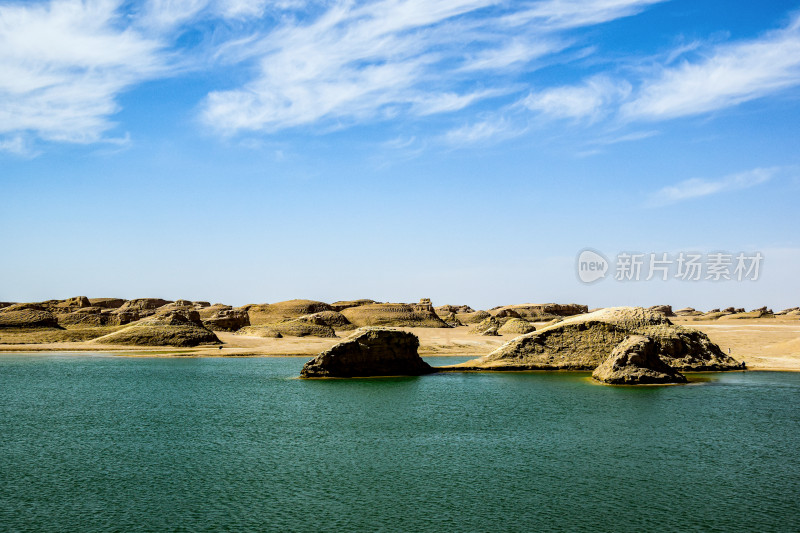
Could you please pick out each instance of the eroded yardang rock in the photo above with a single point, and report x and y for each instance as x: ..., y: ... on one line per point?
x: 174, y: 327
x: 396, y: 315
x: 487, y: 327
x: 27, y: 316
x: 636, y: 361
x: 370, y: 352
x: 221, y: 317
x: 583, y: 342
x: 261, y: 314
x: 516, y: 326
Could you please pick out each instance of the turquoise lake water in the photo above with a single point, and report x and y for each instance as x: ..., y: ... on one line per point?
x: 103, y: 443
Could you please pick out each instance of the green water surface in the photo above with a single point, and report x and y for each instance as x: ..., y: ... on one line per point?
x: 103, y: 443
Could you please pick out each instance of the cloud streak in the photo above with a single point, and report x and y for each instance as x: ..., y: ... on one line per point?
x: 63, y: 63
x: 330, y: 65
x: 357, y: 62
x: 698, y: 188
x: 590, y: 100
x: 729, y: 75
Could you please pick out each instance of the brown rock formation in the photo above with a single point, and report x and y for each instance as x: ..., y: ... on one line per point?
x: 665, y: 310
x: 145, y: 304
x: 450, y: 319
x: 338, y: 306
x: 539, y: 312
x: 488, y: 327
x: 370, y: 352
x: 505, y: 312
x: 475, y: 317
x: 398, y: 315
x: 636, y: 361
x: 280, y: 311
x: 260, y: 331
x: 289, y: 328
x: 107, y: 303
x: 27, y: 316
x: 583, y: 342
x: 516, y: 326
x: 224, y: 318
x: 447, y: 309
x: 333, y: 319
x: 167, y: 328
x: 688, y: 311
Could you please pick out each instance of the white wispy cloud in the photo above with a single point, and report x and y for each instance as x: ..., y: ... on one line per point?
x: 167, y: 15
x: 729, y: 75
x: 561, y: 14
x: 330, y: 64
x: 589, y: 100
x: 17, y: 145
x: 697, y: 187
x: 380, y: 59
x: 63, y: 63
x: 493, y: 129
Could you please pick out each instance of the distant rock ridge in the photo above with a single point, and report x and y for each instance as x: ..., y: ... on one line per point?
x: 395, y: 315
x: 338, y: 306
x: 447, y: 309
x: 370, y: 352
x: 538, y: 312
x: 288, y: 310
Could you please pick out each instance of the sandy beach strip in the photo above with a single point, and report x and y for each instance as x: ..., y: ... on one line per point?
x: 762, y: 343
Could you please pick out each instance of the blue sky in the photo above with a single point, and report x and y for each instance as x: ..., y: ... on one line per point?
x: 463, y: 150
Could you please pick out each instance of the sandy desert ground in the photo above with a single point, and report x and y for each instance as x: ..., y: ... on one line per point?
x: 763, y: 343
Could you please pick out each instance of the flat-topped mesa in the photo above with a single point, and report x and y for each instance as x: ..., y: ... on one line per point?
x: 688, y: 311
x: 145, y: 304
x: 261, y: 314
x: 370, y: 352
x: 636, y: 361
x: 538, y: 312
x: 419, y: 315
x: 583, y: 342
x: 344, y: 304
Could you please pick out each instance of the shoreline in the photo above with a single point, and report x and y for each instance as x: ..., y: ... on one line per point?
x: 155, y: 355
x: 763, y: 344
